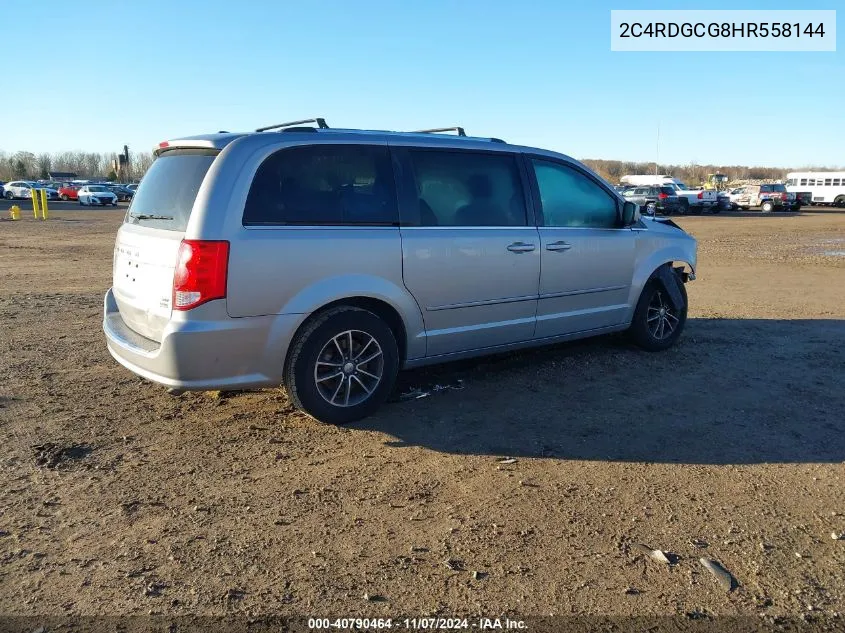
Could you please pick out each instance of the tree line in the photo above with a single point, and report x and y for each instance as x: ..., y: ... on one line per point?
x: 88, y: 165
x: 98, y: 165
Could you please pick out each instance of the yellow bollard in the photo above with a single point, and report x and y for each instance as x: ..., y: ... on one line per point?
x: 43, y: 204
x: 15, y: 212
x: 34, y: 196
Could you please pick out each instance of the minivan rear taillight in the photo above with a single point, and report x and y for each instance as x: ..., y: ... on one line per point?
x: 200, y: 275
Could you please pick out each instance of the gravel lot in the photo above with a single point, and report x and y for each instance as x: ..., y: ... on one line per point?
x: 119, y: 499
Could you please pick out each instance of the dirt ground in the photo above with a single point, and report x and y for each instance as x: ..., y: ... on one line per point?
x: 117, y: 498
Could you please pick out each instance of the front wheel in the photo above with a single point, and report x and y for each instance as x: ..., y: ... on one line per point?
x: 650, y: 208
x: 10, y: 195
x: 114, y: 203
x: 342, y: 365
x: 64, y: 197
x: 767, y: 207
x: 657, y: 324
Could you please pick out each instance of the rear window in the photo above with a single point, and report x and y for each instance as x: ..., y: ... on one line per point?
x: 771, y: 188
x: 667, y: 190
x: 166, y: 196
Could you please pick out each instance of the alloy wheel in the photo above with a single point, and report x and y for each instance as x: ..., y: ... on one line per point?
x: 661, y: 318
x: 349, y: 368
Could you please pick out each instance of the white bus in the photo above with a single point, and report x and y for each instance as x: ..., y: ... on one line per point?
x: 824, y: 187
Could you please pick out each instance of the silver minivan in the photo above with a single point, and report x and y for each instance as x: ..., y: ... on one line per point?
x: 326, y: 260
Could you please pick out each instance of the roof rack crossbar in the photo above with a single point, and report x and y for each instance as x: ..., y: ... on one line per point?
x: 321, y: 123
x: 457, y: 129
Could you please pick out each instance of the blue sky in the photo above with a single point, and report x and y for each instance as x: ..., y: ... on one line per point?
x: 534, y: 72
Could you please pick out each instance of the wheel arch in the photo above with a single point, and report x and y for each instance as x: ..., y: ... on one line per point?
x: 381, y: 308
x: 674, y: 257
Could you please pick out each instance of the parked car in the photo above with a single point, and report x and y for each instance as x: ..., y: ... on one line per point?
x: 724, y: 201
x: 123, y: 194
x: 96, y: 195
x: 2, y: 189
x: 68, y: 192
x: 317, y: 258
x: 793, y: 201
x: 654, y: 199
x: 698, y: 200
x: 133, y: 187
x: 767, y: 198
x: 23, y: 189
x: 52, y: 193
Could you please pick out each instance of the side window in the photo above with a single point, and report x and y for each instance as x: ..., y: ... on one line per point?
x: 836, y: 182
x: 323, y: 184
x: 827, y: 182
x: 569, y: 198
x: 803, y: 182
x: 457, y: 188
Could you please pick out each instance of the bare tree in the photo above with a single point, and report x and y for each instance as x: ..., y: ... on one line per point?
x: 45, y: 163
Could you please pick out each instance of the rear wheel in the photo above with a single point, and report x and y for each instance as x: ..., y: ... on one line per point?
x: 342, y: 365
x: 657, y: 324
x: 839, y: 201
x: 650, y: 208
x: 64, y: 197
x: 767, y: 207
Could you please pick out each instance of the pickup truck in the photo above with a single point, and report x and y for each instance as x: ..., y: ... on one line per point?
x: 699, y: 199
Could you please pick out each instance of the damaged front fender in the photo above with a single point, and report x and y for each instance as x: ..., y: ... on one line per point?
x: 670, y: 281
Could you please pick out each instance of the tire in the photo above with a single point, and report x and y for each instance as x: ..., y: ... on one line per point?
x: 64, y: 197
x: 651, y: 209
x: 645, y: 333
x: 10, y: 195
x: 325, y: 399
x: 81, y: 203
x: 683, y: 207
x: 839, y: 201
x: 767, y: 207
x: 114, y: 204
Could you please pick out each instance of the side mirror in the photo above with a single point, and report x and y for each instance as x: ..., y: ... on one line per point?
x: 630, y: 213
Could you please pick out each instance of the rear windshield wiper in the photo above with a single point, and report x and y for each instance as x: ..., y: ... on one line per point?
x: 145, y: 216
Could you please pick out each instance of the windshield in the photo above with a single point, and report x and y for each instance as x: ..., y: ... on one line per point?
x: 166, y: 197
x: 97, y: 189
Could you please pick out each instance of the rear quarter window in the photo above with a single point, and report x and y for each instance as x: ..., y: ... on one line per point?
x: 166, y: 196
x: 324, y: 185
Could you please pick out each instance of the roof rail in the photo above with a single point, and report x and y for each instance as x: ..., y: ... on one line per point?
x: 459, y: 130
x: 321, y: 122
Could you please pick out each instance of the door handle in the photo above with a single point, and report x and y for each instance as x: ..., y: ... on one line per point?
x: 521, y: 247
x: 558, y: 246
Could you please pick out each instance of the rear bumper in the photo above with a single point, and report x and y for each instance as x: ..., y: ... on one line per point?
x: 213, y: 351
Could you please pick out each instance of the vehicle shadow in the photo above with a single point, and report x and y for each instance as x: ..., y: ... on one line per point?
x: 732, y: 391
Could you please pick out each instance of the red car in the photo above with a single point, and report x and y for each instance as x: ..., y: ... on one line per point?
x: 68, y: 192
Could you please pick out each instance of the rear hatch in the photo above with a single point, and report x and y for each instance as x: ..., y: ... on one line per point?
x: 148, y: 241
